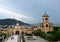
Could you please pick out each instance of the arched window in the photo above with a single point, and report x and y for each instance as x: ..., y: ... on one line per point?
x: 42, y: 25
x: 46, y: 18
x: 46, y: 25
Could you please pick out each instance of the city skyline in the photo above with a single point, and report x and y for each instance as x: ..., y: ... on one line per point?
x: 30, y: 11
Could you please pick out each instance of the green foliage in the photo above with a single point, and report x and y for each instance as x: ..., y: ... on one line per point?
x: 50, y: 36
x: 23, y: 38
x: 5, y: 35
x: 1, y: 34
x: 0, y: 40
x: 26, y: 34
x: 36, y: 32
x: 56, y: 28
x: 55, y: 33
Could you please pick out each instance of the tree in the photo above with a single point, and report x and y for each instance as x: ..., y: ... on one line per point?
x: 1, y: 34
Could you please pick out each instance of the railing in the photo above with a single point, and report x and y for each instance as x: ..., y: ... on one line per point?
x: 23, y: 40
x: 19, y: 39
x: 6, y: 39
x: 1, y: 38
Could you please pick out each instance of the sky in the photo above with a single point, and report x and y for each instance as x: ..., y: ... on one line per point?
x: 30, y: 11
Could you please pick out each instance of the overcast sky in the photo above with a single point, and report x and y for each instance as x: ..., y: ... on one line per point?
x: 30, y: 11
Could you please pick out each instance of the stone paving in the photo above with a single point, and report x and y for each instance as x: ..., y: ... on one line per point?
x: 12, y: 40
x: 37, y: 40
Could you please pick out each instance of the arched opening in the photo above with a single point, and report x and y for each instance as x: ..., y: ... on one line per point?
x: 46, y: 18
x: 17, y: 32
x: 46, y: 25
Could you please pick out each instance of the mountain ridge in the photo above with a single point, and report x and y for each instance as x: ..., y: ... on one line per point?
x: 12, y: 22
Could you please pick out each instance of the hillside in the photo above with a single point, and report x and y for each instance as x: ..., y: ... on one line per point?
x: 12, y: 22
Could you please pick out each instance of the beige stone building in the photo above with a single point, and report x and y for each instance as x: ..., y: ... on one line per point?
x: 17, y: 29
x: 45, y: 26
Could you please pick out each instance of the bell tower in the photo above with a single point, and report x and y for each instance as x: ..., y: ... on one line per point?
x: 46, y: 26
x: 45, y: 18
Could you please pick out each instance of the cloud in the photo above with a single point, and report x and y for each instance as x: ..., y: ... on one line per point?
x: 12, y: 14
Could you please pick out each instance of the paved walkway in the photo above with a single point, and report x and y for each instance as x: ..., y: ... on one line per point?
x: 38, y: 40
x: 13, y: 40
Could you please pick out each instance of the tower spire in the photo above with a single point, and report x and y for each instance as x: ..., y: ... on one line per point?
x: 45, y: 12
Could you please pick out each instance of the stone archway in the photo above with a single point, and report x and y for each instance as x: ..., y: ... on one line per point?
x: 17, y: 32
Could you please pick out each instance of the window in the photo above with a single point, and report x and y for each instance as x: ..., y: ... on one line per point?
x: 46, y: 25
x: 43, y: 18
x: 46, y: 18
x: 42, y: 25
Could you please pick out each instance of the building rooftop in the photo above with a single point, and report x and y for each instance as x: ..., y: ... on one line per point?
x: 45, y: 15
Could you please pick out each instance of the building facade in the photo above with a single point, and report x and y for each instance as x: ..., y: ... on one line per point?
x: 45, y: 26
x: 17, y: 29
